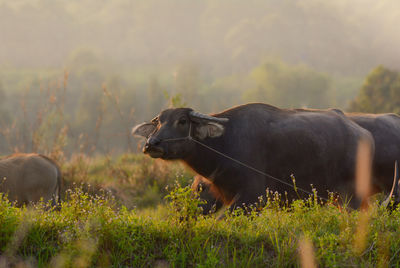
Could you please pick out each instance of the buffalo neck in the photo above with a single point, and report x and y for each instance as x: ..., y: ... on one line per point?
x: 205, y: 161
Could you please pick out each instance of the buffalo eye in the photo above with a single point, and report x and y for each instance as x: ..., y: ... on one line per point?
x: 182, y: 121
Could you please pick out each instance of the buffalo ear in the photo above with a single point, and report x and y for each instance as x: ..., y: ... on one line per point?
x: 210, y: 130
x: 143, y: 130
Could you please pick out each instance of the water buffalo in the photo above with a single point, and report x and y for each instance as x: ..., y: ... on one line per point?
x: 385, y: 129
x: 29, y: 177
x: 243, y: 150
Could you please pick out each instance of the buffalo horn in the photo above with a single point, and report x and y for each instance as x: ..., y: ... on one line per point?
x: 395, y: 187
x: 208, y: 117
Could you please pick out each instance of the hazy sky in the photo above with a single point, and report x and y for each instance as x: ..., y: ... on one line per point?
x: 226, y: 36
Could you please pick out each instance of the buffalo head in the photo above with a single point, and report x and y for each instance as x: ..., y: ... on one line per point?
x: 168, y: 133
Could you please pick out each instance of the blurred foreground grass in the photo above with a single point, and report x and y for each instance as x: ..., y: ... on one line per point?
x: 93, y: 230
x: 126, y: 218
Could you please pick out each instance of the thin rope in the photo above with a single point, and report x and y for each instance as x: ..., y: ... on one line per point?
x: 254, y: 169
x: 189, y: 137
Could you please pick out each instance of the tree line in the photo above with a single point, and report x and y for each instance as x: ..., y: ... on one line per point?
x: 91, y: 109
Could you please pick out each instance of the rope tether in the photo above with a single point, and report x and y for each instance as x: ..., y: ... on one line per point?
x: 189, y: 137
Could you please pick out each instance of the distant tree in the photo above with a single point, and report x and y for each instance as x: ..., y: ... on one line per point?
x: 2, y: 95
x: 155, y: 96
x: 83, y: 58
x: 286, y: 85
x: 4, y: 116
x: 188, y: 81
x: 380, y: 92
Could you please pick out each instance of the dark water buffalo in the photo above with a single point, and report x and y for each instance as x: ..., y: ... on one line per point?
x: 385, y: 129
x: 317, y: 146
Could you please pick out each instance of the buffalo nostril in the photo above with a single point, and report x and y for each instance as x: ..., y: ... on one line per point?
x: 147, y: 148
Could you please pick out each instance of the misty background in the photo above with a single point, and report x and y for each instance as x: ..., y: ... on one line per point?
x: 80, y: 74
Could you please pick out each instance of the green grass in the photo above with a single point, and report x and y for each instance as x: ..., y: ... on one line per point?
x: 134, y: 179
x: 93, y: 230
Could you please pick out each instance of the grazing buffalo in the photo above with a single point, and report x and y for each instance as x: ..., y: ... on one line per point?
x: 246, y: 149
x: 29, y: 177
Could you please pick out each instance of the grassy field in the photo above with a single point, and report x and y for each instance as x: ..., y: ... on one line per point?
x: 126, y: 217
